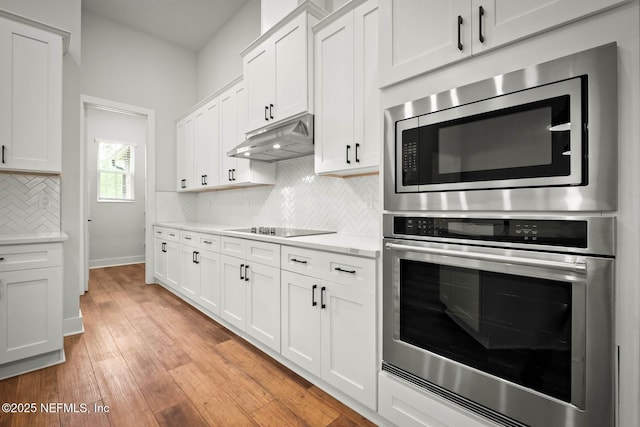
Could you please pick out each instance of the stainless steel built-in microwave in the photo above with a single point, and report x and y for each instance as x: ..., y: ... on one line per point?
x: 541, y: 138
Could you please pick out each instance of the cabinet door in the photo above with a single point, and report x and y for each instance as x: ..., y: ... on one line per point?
x: 263, y: 304
x: 181, y: 155
x: 184, y: 154
x: 420, y: 35
x: 291, y: 90
x: 300, y: 313
x: 30, y: 313
x: 190, y: 281
x: 334, y: 91
x: 348, y: 341
x: 210, y: 281
x: 504, y: 21
x: 233, y: 291
x: 174, y: 272
x: 243, y: 168
x: 206, y: 145
x: 367, y: 109
x: 160, y: 261
x: 233, y: 106
x: 30, y: 98
x: 259, y: 82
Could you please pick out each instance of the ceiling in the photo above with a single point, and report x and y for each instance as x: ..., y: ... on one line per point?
x: 187, y: 23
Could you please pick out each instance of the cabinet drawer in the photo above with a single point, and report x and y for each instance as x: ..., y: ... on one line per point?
x: 23, y: 257
x: 263, y: 253
x: 300, y: 260
x: 349, y: 270
x: 164, y: 233
x: 405, y: 405
x: 232, y: 246
x: 210, y: 242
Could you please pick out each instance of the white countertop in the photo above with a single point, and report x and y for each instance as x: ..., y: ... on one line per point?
x: 29, y: 238
x: 352, y: 244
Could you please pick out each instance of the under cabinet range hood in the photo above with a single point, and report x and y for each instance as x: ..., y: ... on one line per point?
x: 290, y: 139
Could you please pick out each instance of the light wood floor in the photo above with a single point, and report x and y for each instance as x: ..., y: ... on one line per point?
x: 154, y: 360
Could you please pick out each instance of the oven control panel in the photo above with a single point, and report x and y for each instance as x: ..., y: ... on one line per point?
x: 555, y: 232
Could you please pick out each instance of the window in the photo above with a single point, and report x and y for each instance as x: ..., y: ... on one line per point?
x: 115, y: 171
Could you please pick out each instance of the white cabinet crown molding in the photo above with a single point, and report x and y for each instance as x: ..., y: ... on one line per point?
x: 306, y: 6
x: 66, y: 35
x: 208, y: 98
x: 339, y: 12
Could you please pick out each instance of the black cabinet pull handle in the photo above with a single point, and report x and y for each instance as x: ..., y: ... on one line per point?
x: 187, y: 238
x: 313, y: 295
x: 3, y: 148
x: 208, y: 242
x: 229, y: 174
x: 460, y: 20
x: 246, y: 273
x: 480, y: 16
x: 300, y: 261
x: 163, y: 248
x: 266, y: 108
x: 322, y: 290
x: 345, y: 271
x: 233, y: 174
x: 193, y: 257
x: 271, y: 111
x: 197, y: 257
x: 357, y: 159
x: 348, y: 148
x: 1, y: 258
x: 183, y: 183
x: 241, y: 271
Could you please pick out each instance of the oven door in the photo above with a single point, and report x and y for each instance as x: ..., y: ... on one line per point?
x: 505, y: 329
x: 530, y: 138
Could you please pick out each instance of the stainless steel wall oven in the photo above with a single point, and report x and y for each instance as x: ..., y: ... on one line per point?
x: 543, y: 138
x: 509, y: 316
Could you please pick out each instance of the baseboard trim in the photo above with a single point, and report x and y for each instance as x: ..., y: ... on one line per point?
x: 31, y: 364
x: 73, y: 325
x: 113, y: 262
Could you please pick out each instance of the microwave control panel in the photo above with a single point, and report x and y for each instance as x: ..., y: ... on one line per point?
x: 570, y: 233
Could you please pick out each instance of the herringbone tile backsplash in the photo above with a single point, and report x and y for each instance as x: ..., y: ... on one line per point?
x: 300, y: 199
x: 29, y: 203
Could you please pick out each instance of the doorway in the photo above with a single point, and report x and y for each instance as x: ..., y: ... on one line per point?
x: 118, y: 182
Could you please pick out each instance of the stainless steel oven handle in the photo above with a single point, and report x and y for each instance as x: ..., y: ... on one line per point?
x: 579, y: 267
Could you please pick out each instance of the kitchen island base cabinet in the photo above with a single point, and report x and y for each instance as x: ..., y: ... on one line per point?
x: 329, y: 330
x: 404, y: 404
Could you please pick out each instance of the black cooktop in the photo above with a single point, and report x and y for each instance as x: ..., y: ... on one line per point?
x: 281, y: 231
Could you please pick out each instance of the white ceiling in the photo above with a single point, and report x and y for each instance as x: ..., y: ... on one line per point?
x: 187, y: 23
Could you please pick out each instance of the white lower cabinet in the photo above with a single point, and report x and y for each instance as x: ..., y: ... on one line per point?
x: 167, y: 257
x: 250, y: 294
x: 30, y: 302
x: 406, y: 405
x: 329, y: 328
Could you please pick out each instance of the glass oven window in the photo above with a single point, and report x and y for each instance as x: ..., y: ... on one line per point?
x: 517, y: 328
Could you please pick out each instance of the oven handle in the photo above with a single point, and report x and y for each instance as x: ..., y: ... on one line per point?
x: 579, y: 267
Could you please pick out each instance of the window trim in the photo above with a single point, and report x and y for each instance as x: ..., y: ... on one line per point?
x: 130, y: 173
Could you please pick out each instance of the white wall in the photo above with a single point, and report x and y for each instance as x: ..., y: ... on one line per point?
x: 219, y: 61
x: 65, y: 14
x: 131, y: 67
x: 622, y: 26
x: 114, y: 242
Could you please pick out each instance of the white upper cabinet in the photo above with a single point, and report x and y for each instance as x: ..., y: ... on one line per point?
x: 30, y: 97
x: 278, y: 69
x: 203, y: 139
x: 184, y: 153
x: 206, y: 152
x: 420, y: 35
x: 347, y: 103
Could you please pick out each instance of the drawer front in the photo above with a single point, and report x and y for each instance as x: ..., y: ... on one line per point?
x: 263, y: 253
x: 24, y: 257
x: 300, y: 260
x: 209, y: 242
x: 349, y: 270
x: 164, y: 233
x: 232, y: 246
x: 189, y: 238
